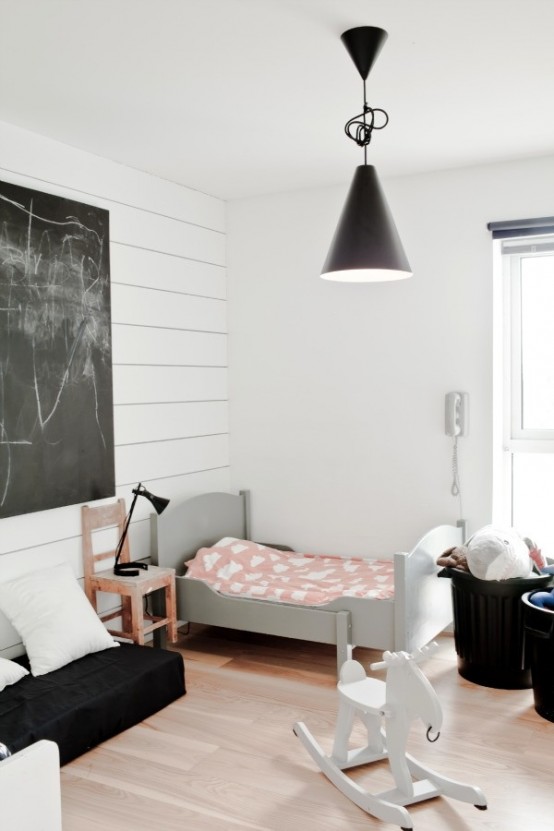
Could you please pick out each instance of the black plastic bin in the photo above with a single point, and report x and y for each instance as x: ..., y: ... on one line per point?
x: 539, y: 634
x: 488, y: 629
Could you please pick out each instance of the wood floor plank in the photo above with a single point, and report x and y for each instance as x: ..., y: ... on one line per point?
x: 225, y: 757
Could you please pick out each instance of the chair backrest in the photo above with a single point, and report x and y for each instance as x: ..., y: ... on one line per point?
x: 95, y: 519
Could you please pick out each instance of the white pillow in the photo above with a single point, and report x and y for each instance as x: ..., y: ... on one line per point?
x: 53, y: 617
x: 10, y: 673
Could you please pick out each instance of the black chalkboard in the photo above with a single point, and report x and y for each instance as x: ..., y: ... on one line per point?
x: 56, y: 399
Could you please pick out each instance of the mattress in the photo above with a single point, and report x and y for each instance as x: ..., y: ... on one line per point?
x: 90, y: 700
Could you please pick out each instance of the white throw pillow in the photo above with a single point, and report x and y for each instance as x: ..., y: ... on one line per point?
x: 10, y: 673
x: 53, y: 617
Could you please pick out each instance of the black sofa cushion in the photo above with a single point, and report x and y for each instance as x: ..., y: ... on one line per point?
x: 90, y: 700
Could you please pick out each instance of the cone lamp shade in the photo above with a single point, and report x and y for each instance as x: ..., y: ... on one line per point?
x: 366, y: 246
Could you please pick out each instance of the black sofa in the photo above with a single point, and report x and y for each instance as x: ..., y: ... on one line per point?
x: 91, y: 699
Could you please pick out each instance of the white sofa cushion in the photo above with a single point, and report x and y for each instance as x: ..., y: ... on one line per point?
x: 53, y: 617
x: 10, y: 673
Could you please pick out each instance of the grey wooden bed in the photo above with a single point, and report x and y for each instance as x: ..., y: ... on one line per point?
x: 420, y: 609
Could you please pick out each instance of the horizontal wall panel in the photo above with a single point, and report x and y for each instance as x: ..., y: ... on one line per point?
x: 142, y: 345
x: 55, y: 527
x: 167, y: 251
x: 140, y: 462
x: 59, y: 530
x: 67, y: 167
x: 140, y: 267
x: 140, y: 423
x: 68, y: 550
x: 149, y: 384
x: 176, y: 488
x: 206, y: 481
x: 135, y: 227
x: 45, y: 527
x: 131, y: 226
x: 147, y: 307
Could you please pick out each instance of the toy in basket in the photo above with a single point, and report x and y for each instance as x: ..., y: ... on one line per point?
x: 405, y: 696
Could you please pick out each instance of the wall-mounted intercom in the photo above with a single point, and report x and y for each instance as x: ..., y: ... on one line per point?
x: 456, y: 423
x: 456, y: 414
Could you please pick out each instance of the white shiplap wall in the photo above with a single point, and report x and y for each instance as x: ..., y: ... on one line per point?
x: 169, y: 324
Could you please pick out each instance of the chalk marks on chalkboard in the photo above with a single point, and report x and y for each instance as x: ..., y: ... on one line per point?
x: 56, y: 400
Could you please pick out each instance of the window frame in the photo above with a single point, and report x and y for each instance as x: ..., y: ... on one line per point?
x: 509, y: 435
x: 534, y: 439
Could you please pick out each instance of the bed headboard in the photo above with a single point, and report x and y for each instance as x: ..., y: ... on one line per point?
x: 184, y: 527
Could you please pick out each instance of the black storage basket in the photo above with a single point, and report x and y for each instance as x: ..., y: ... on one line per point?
x: 488, y: 629
x: 539, y: 633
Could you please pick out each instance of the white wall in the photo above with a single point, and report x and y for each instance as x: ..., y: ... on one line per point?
x: 167, y: 250
x: 337, y: 391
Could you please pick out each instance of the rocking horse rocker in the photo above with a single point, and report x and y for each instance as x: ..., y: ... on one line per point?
x: 406, y: 695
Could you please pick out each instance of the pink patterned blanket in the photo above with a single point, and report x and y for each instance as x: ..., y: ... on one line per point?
x: 247, y: 569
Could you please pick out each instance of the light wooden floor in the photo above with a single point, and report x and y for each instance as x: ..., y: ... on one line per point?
x: 224, y: 757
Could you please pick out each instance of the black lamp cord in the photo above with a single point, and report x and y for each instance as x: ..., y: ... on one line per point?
x: 361, y: 126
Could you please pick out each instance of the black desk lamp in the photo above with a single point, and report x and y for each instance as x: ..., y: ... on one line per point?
x: 159, y: 504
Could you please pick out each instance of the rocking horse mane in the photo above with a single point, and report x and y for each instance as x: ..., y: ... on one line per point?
x: 410, y: 690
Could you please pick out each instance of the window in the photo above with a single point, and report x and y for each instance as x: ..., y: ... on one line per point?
x: 524, y: 381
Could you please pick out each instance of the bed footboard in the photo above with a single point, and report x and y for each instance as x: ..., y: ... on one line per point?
x: 423, y: 603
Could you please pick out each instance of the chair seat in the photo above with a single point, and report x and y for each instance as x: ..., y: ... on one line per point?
x: 156, y: 576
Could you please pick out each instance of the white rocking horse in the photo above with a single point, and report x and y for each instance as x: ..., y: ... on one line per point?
x: 406, y: 695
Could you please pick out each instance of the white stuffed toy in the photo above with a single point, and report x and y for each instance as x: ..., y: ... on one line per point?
x: 498, y: 554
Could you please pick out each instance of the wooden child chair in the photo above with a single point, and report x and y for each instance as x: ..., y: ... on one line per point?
x: 133, y: 589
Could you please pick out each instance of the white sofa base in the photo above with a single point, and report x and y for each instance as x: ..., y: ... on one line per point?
x: 30, y: 797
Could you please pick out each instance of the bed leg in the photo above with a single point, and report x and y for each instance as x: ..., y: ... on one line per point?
x: 344, y: 639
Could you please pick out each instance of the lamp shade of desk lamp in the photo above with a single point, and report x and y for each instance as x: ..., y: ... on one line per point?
x: 159, y: 504
x: 366, y: 246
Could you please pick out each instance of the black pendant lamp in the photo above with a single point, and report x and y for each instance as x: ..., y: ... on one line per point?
x: 366, y: 246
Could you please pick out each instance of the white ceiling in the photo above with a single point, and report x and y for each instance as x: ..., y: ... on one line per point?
x: 243, y: 97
